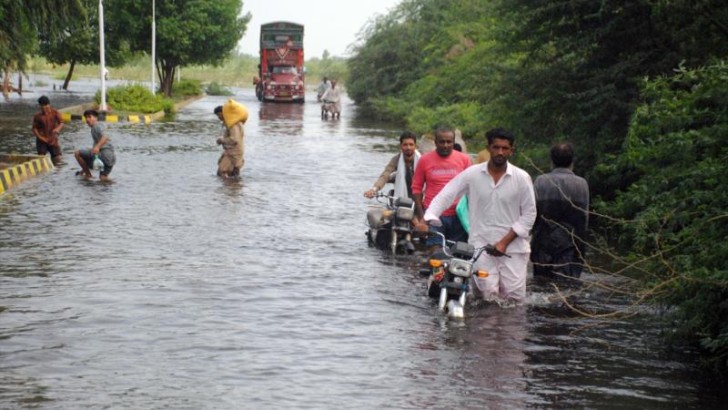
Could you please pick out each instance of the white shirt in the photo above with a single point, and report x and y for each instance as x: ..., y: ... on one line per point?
x: 493, y: 209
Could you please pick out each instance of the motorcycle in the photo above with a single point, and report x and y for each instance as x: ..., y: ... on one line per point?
x: 450, y: 274
x: 390, y: 224
x: 329, y: 107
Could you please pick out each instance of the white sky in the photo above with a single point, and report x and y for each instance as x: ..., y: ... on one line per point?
x: 328, y: 24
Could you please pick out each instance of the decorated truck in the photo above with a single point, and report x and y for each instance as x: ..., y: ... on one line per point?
x: 280, y: 72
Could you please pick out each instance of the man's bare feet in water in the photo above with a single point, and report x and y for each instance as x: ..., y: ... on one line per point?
x: 85, y: 175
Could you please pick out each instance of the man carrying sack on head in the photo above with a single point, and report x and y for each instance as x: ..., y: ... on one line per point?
x: 231, y: 161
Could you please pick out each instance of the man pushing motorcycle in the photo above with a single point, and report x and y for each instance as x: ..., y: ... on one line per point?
x: 502, y: 210
x: 400, y: 168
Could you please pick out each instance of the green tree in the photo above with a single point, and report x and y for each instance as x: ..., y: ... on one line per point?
x: 389, y: 56
x: 21, y: 22
x: 79, y: 43
x: 676, y: 163
x: 188, y: 32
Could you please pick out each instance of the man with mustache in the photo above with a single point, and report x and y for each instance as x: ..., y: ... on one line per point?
x: 502, y: 210
x: 400, y: 168
x: 434, y: 170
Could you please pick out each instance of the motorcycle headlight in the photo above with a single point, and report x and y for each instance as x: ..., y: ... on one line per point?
x: 459, y: 267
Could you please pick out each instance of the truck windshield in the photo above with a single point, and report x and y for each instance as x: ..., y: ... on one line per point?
x: 284, y: 70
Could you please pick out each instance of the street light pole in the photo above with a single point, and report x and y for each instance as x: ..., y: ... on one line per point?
x: 154, y: 41
x: 102, y: 58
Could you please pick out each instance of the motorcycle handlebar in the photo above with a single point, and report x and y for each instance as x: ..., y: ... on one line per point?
x: 489, y: 249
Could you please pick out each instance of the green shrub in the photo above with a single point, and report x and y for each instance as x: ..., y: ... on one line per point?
x: 675, y: 160
x: 216, y: 89
x: 465, y: 116
x: 186, y: 88
x: 135, y: 99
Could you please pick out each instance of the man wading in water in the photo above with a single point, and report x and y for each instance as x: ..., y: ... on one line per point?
x: 231, y: 161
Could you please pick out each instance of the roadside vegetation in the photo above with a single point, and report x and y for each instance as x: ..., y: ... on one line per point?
x: 639, y: 87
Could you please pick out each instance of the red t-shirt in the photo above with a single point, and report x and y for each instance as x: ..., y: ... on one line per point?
x: 433, y: 172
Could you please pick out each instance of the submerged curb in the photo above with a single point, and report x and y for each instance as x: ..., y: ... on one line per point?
x: 74, y: 113
x: 22, y: 167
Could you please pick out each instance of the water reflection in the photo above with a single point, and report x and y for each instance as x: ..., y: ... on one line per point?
x: 281, y: 118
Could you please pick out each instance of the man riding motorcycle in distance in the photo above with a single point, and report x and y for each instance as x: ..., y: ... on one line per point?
x: 400, y: 168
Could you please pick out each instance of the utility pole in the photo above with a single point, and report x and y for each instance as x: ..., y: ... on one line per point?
x: 154, y: 41
x: 102, y: 58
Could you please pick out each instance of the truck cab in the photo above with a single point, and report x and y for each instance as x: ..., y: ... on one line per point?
x: 280, y: 72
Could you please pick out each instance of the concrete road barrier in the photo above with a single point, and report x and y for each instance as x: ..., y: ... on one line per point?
x: 15, y: 169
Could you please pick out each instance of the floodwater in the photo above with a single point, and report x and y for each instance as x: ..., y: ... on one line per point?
x: 172, y: 288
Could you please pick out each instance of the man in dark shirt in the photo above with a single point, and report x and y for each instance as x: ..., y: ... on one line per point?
x: 562, y: 203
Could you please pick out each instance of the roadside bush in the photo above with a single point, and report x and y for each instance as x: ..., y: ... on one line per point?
x: 135, y: 99
x: 676, y: 160
x: 217, y: 89
x: 186, y: 88
x: 465, y: 116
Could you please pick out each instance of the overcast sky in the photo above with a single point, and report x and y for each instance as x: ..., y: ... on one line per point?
x: 328, y: 24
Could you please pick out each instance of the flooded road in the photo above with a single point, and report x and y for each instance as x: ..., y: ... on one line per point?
x: 172, y: 288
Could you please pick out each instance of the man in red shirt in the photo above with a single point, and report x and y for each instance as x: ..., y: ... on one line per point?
x: 434, y: 170
x: 46, y: 126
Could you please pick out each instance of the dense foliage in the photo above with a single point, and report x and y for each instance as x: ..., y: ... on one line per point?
x: 638, y: 86
x: 675, y: 163
x: 188, y: 32
x: 135, y: 99
x: 23, y: 22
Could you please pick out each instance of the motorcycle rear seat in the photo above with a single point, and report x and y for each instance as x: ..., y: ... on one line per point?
x: 405, y: 202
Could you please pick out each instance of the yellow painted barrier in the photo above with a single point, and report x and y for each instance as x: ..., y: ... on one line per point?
x: 22, y: 167
x: 134, y: 119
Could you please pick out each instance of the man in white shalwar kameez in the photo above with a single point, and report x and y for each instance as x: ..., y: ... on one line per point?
x: 502, y: 210
x: 332, y: 100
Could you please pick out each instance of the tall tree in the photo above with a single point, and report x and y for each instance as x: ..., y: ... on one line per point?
x: 77, y: 43
x: 188, y: 32
x: 21, y: 22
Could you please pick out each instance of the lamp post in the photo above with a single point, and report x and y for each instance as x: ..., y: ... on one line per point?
x: 102, y: 58
x: 154, y: 41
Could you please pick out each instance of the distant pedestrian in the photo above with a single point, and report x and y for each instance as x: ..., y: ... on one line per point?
x: 562, y: 202
x: 102, y: 149
x: 47, y: 124
x: 231, y: 161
